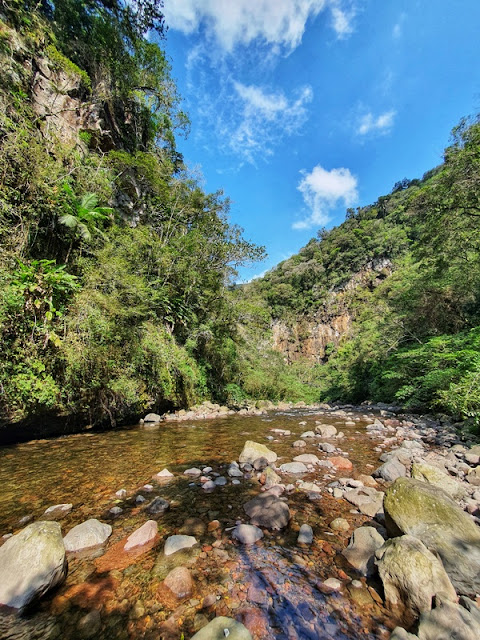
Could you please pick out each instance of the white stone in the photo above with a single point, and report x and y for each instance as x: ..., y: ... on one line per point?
x: 142, y: 535
x: 90, y: 533
x: 176, y: 543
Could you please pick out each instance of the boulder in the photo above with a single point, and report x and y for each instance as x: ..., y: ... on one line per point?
x: 361, y: 549
x: 176, y: 543
x: 391, y: 470
x: 401, y: 634
x: 434, y: 475
x: 340, y: 463
x: 428, y: 513
x: 326, y: 430
x: 32, y: 562
x: 143, y: 535
x: 369, y: 501
x: 293, y: 467
x: 180, y: 582
x: 474, y: 477
x: 450, y: 621
x: 247, y: 534
x: 268, y: 511
x: 307, y: 458
x: 192, y: 472
x: 299, y: 444
x: 310, y: 487
x: 253, y: 450
x: 412, y: 576
x: 90, y: 533
x: 220, y: 628
x: 152, y: 417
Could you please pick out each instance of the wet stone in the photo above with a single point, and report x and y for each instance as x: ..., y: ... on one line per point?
x: 176, y: 543
x: 57, y: 511
x: 247, y: 534
x: 305, y: 535
x: 90, y: 624
x: 180, y: 582
x: 157, y: 506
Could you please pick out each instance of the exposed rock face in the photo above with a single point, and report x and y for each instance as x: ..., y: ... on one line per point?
x: 428, y: 513
x: 268, y: 511
x: 412, y: 576
x: 361, y: 549
x: 309, y: 338
x: 253, y: 451
x: 31, y: 563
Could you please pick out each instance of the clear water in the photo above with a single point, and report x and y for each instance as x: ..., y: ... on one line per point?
x: 274, y: 587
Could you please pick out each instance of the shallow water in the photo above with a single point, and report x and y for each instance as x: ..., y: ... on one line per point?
x: 274, y: 587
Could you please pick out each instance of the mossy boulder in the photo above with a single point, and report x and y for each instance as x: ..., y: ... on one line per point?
x: 253, y: 451
x: 428, y: 513
x: 434, y: 475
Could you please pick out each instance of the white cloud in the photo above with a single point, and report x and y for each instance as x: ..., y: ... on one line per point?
x: 254, y: 118
x: 397, y: 30
x: 277, y: 23
x: 322, y: 191
x: 381, y: 124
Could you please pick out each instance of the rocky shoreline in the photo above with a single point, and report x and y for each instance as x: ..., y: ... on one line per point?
x: 422, y: 540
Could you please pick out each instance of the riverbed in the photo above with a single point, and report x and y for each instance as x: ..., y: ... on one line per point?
x: 275, y: 587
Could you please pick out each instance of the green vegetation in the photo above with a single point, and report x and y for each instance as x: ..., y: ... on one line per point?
x: 115, y: 263
x: 116, y: 267
x: 406, y: 271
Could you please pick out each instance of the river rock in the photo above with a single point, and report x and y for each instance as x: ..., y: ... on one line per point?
x: 368, y: 500
x: 307, y: 458
x: 90, y: 533
x: 220, y: 628
x: 391, y: 470
x: 143, y: 535
x: 57, y: 511
x: 152, y: 417
x: 247, y: 534
x: 307, y: 434
x: 192, y: 472
x: 361, y: 549
x: 293, y: 467
x: 340, y: 463
x: 157, y: 506
x: 310, y: 487
x: 339, y: 524
x: 267, y: 511
x: 326, y: 430
x: 474, y: 477
x: 299, y: 444
x: 401, y: 634
x: 428, y: 513
x: 234, y: 471
x: 253, y: 450
x: 326, y: 447
x: 450, y: 621
x: 31, y: 563
x: 434, y: 475
x: 164, y: 474
x: 412, y: 576
x: 305, y: 535
x: 176, y: 543
x: 269, y: 478
x: 90, y: 624
x: 180, y: 582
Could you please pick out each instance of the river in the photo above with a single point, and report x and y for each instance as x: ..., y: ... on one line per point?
x: 274, y: 587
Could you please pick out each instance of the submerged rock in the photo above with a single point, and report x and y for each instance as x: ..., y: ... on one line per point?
x: 253, y: 450
x: 143, y: 535
x: 31, y: 563
x: 412, y: 577
x: 305, y: 535
x: 428, y: 513
x: 57, y: 511
x: 176, y: 543
x: 90, y: 533
x: 268, y: 511
x: 180, y: 582
x: 157, y: 506
x: 361, y: 549
x: 220, y: 628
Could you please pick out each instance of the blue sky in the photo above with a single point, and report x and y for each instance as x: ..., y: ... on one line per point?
x: 302, y: 108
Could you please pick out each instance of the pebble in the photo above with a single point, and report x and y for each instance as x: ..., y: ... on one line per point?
x: 305, y: 535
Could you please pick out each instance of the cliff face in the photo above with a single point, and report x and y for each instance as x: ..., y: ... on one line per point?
x: 312, y: 338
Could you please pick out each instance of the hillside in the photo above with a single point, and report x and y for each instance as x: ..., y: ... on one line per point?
x: 386, y: 306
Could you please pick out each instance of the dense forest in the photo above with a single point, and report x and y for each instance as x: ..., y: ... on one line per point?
x: 117, y: 269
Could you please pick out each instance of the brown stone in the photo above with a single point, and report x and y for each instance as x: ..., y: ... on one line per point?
x: 341, y: 463
x: 180, y: 582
